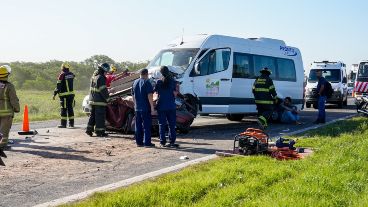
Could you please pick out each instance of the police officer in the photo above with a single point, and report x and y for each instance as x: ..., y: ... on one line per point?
x: 265, y: 96
x: 9, y: 104
x: 166, y: 107
x: 99, y: 96
x: 142, y: 92
x: 64, y: 88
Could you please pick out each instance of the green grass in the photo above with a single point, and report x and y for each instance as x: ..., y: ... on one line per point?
x: 41, y: 106
x: 335, y: 175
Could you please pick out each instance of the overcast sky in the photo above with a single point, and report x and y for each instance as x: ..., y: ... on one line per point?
x: 42, y: 30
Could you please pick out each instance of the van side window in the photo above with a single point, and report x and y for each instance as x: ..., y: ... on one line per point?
x: 286, y: 70
x: 213, y: 62
x: 242, y: 67
x: 265, y: 61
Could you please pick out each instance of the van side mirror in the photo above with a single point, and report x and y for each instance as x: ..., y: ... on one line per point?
x: 196, y: 70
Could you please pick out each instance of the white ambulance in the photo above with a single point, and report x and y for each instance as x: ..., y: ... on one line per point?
x: 217, y: 72
x: 333, y: 72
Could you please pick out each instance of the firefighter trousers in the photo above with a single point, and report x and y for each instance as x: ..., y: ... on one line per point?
x: 67, y: 104
x: 5, y: 125
x: 97, y: 120
x: 265, y: 110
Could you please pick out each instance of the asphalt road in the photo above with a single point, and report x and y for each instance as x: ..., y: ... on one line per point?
x: 58, y: 163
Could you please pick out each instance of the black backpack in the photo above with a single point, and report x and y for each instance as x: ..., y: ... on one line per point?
x: 329, y: 90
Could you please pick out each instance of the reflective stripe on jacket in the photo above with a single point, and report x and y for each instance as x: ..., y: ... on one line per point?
x: 263, y: 90
x: 65, y: 84
x: 9, y: 102
x: 99, y: 95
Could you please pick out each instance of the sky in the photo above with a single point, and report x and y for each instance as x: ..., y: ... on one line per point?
x: 135, y: 30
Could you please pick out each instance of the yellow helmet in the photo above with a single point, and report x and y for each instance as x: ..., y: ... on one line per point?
x: 113, y: 69
x: 5, y: 71
x: 65, y: 65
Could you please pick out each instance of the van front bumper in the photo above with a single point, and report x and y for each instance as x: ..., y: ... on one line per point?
x: 336, y: 97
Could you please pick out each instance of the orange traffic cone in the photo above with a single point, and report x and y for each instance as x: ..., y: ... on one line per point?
x: 25, y: 129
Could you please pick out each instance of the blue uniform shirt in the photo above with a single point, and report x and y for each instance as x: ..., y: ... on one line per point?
x: 166, y: 98
x: 141, y: 89
x: 321, y: 82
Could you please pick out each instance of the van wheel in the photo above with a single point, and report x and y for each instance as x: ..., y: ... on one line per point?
x: 235, y: 117
x: 192, y: 104
x: 340, y: 105
x: 308, y: 105
x: 346, y: 102
x: 315, y: 106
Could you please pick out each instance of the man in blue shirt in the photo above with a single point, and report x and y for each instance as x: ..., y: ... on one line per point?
x: 321, y: 91
x: 142, y: 92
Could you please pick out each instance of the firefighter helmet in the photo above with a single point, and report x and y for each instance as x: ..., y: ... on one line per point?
x: 266, y: 71
x: 105, y: 67
x: 65, y: 65
x: 5, y: 71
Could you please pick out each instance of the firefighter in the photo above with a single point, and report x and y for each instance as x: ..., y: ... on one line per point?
x: 9, y: 104
x: 64, y: 88
x: 99, y: 96
x: 110, y: 77
x: 265, y: 96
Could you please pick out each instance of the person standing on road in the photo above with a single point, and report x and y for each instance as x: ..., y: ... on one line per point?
x: 142, y: 92
x: 166, y: 107
x: 9, y: 104
x: 64, y: 88
x: 99, y: 97
x: 265, y: 96
x: 322, y: 97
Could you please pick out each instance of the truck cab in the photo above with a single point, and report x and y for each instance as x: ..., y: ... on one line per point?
x: 333, y: 72
x: 361, y: 82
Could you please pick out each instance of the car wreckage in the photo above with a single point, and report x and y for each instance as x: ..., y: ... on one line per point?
x: 120, y: 114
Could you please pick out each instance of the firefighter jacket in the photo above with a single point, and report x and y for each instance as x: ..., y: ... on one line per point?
x: 99, y: 96
x: 64, y: 86
x: 9, y: 102
x: 264, y: 91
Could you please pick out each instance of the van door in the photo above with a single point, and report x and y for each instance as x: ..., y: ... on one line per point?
x: 211, y: 79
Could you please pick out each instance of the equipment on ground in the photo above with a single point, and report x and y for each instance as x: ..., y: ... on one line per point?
x: 282, y: 142
x: 252, y: 141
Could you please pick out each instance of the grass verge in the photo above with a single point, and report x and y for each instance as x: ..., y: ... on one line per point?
x: 335, y: 175
x: 41, y: 107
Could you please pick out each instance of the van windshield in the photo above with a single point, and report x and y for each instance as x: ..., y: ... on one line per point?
x: 174, y: 57
x: 363, y: 71
x: 331, y: 75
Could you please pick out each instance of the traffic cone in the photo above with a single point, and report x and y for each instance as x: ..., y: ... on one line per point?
x: 25, y: 129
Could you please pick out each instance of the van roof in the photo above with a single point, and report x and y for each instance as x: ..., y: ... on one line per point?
x: 196, y: 41
x: 327, y: 65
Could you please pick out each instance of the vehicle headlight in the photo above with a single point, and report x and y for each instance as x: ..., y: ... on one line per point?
x: 178, y: 76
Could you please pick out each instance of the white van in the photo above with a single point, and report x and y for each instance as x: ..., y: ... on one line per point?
x: 217, y: 72
x: 333, y: 72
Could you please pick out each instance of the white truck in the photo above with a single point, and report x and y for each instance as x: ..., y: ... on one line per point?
x: 352, y: 77
x: 335, y: 73
x: 216, y: 72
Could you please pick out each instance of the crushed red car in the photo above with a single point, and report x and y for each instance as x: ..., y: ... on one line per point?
x: 120, y: 110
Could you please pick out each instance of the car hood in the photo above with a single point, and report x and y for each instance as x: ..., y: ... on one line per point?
x: 154, y: 72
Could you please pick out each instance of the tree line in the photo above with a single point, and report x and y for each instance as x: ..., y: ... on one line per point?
x: 43, y: 76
